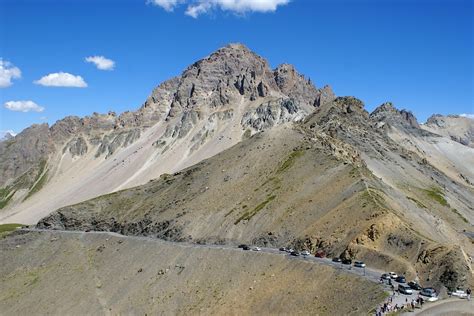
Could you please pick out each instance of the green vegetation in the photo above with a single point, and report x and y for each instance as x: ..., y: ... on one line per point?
x: 290, y: 160
x: 436, y: 194
x: 420, y: 205
x: 455, y: 211
x: 272, y: 179
x: 5, y: 195
x: 228, y: 213
x: 373, y: 195
x: 248, y: 215
x: 38, y: 184
x: 247, y: 134
x: 6, y: 229
x: 5, y: 201
x: 33, y: 277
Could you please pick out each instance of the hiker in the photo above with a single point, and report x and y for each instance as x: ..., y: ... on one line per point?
x: 468, y: 291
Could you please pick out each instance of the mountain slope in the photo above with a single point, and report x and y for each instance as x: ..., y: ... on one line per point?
x: 458, y: 128
x: 213, y: 105
x: 336, y: 182
x: 89, y: 274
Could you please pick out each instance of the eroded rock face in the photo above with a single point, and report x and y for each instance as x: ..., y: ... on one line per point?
x: 25, y: 150
x: 222, y: 78
x: 77, y: 147
x: 111, y: 142
x: 272, y: 113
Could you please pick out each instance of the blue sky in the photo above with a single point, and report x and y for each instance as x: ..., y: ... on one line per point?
x: 417, y: 54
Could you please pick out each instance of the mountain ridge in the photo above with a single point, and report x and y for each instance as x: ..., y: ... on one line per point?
x: 217, y: 101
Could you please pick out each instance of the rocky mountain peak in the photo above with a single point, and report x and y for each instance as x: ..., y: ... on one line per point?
x: 230, y: 75
x: 388, y: 113
x: 386, y: 107
x: 436, y: 119
x: 458, y: 128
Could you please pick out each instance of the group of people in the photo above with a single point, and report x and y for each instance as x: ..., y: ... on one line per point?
x: 389, y: 307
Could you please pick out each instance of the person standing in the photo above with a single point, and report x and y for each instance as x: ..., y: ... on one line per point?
x: 468, y: 291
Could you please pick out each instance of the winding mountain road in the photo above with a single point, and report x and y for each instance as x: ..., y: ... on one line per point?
x: 368, y: 273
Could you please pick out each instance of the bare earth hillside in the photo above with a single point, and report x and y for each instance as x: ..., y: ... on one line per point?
x: 106, y: 275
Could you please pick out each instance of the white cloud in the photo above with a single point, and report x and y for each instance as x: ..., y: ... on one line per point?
x: 7, y: 73
x: 4, y: 134
x: 168, y: 5
x: 62, y: 79
x: 471, y: 116
x: 23, y: 106
x: 101, y: 62
x: 197, y: 7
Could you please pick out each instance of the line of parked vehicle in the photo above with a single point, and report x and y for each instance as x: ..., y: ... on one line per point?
x: 408, y: 288
x: 387, y: 278
x: 305, y: 253
x: 357, y: 263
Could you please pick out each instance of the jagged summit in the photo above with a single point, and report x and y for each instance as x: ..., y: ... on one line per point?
x: 215, y: 103
x: 388, y: 113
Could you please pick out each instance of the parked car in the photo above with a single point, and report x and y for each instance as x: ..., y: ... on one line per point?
x: 414, y: 285
x: 256, y: 249
x: 428, y: 291
x: 405, y: 289
x: 295, y: 253
x: 336, y: 259
x: 386, y: 276
x: 245, y: 247
x: 283, y: 249
x: 393, y: 275
x: 320, y: 254
x: 290, y: 250
x: 459, y: 293
x: 359, y: 264
x: 242, y: 246
x: 305, y: 253
x: 401, y: 279
x: 346, y: 261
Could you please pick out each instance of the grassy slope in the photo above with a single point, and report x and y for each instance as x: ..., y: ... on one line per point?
x: 6, y: 229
